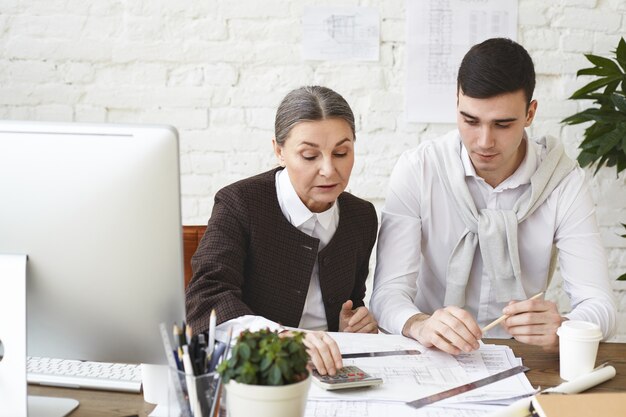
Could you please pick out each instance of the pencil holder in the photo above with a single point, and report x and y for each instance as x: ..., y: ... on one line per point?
x: 196, y: 396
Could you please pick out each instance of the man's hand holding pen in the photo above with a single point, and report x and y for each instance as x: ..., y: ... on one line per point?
x: 534, y: 322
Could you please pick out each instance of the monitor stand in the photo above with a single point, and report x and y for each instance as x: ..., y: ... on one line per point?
x: 13, y: 390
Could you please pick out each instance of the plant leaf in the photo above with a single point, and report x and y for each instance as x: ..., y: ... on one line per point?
x: 622, y: 277
x: 600, y: 164
x: 599, y: 71
x: 285, y: 370
x: 274, y: 376
x: 594, y: 85
x: 586, y: 158
x: 620, y: 102
x: 244, y: 351
x: 265, y: 363
x: 621, y: 165
x: 576, y: 119
x: 620, y: 53
x: 602, y: 62
x: 609, y: 141
x: 611, y: 87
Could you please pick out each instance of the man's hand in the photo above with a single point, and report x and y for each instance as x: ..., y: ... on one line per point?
x: 324, y: 352
x: 534, y: 322
x: 450, y: 329
x: 359, y: 320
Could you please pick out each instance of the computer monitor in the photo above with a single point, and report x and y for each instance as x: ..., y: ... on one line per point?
x: 96, y: 207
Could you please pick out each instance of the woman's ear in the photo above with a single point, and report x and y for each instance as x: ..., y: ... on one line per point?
x: 278, y: 151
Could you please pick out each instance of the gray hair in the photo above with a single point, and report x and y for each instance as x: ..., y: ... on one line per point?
x: 307, y: 104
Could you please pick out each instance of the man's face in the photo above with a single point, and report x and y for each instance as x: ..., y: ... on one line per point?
x: 492, y: 130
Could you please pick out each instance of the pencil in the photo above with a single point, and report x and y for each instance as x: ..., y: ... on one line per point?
x: 188, y: 334
x: 178, y: 335
x: 505, y: 316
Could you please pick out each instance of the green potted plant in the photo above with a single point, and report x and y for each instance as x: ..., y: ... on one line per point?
x: 266, y: 375
x: 605, y: 138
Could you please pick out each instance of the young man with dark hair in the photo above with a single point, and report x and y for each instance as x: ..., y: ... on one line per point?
x: 474, y: 220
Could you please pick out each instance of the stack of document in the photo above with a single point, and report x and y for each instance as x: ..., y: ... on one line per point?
x: 411, y: 377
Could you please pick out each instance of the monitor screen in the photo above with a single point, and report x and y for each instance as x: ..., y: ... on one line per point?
x: 96, y: 207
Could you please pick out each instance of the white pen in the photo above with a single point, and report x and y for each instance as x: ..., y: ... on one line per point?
x: 212, y: 321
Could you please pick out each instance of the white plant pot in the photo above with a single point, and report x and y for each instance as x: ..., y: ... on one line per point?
x: 243, y: 400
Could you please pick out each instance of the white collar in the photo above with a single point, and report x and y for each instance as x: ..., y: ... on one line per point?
x: 521, y: 175
x: 297, y: 212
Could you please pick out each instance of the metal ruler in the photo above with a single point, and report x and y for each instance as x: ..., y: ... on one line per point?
x: 378, y: 354
x: 467, y: 387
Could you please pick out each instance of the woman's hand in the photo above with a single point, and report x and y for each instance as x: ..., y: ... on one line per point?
x: 323, y: 351
x: 359, y: 320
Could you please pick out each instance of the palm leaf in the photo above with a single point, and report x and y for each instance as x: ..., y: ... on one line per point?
x: 594, y: 85
x: 586, y: 158
x: 619, y: 101
x: 620, y: 53
x: 602, y: 62
x: 599, y: 71
x: 600, y: 163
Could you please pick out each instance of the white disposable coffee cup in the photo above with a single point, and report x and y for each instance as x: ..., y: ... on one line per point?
x: 578, y: 347
x: 154, y: 380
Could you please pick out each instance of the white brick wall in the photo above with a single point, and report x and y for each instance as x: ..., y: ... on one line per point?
x: 217, y: 69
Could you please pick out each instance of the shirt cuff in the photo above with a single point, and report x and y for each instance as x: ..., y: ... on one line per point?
x: 395, y: 321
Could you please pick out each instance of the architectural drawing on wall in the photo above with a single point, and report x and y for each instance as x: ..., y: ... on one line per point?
x: 439, y: 33
x: 340, y: 33
x: 341, y: 28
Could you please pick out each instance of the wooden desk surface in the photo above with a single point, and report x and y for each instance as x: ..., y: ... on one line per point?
x: 544, y: 367
x: 98, y: 403
x: 544, y: 372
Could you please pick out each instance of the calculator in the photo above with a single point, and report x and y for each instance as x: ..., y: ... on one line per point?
x: 346, y: 377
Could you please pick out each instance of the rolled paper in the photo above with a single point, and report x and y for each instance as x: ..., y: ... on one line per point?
x: 584, y: 382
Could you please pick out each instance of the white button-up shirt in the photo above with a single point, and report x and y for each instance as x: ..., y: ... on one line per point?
x: 420, y: 228
x: 318, y: 225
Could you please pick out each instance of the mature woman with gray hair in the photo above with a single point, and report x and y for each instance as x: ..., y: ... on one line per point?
x: 290, y: 245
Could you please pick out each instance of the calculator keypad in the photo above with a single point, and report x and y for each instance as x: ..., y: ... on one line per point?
x: 345, y: 374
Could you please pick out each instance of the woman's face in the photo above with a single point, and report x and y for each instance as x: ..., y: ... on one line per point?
x: 318, y: 156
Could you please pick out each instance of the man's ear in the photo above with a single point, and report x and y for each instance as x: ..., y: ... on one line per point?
x: 278, y: 151
x: 530, y: 114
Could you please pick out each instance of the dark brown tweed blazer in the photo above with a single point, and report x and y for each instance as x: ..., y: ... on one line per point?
x: 251, y: 260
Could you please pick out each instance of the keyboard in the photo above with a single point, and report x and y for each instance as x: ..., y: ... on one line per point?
x: 84, y: 374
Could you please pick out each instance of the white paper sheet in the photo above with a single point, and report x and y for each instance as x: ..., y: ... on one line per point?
x: 440, y: 32
x: 380, y: 409
x: 410, y: 377
x: 340, y: 33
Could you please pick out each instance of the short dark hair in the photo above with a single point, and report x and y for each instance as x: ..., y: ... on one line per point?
x: 494, y: 67
x: 307, y: 104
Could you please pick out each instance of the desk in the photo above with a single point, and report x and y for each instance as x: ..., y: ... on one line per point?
x: 544, y: 367
x: 544, y: 371
x: 98, y: 403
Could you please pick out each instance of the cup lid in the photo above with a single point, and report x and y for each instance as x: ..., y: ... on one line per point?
x: 581, y: 330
